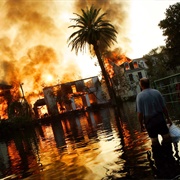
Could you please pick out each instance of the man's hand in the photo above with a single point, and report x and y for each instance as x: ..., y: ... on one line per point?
x: 141, y: 121
x: 169, y: 121
x: 165, y: 111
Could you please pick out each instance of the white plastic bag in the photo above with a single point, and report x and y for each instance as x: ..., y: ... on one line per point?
x: 174, y: 132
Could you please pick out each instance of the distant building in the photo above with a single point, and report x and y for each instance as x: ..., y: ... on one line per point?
x: 80, y: 94
x: 126, y: 77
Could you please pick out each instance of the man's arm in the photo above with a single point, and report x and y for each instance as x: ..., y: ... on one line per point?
x: 141, y: 121
x: 165, y: 111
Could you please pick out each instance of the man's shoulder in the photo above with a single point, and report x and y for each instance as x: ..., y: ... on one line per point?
x: 148, y: 91
x: 155, y: 91
x: 139, y: 95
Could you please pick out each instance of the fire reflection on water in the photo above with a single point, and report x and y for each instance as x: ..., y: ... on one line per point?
x: 84, y: 147
x: 88, y: 146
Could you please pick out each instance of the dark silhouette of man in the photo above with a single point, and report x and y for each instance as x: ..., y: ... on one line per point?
x: 153, y: 117
x: 151, y: 109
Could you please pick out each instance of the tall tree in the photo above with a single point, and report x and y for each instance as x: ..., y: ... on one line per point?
x: 171, y: 28
x: 157, y: 61
x: 98, y: 33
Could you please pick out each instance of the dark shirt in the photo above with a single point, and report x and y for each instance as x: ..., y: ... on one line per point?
x: 150, y: 102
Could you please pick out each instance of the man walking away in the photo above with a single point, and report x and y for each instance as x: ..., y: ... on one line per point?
x: 152, y: 111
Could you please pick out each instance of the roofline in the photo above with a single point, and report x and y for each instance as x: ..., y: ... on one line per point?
x: 70, y: 82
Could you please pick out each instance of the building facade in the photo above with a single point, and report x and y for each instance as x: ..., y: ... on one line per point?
x: 126, y: 78
x: 70, y: 96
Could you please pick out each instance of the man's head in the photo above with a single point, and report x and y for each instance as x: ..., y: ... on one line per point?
x: 144, y: 83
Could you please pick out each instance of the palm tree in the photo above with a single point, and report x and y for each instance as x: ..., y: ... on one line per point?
x: 97, y: 32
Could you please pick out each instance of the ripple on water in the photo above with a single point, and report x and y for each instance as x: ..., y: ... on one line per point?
x: 83, y: 148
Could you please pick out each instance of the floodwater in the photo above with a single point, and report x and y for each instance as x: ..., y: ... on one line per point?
x: 91, y: 146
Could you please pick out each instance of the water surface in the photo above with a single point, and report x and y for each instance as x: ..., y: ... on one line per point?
x: 93, y: 145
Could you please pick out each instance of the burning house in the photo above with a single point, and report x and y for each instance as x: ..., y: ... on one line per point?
x: 125, y: 73
x: 34, y: 51
x: 12, y: 104
x: 5, y: 100
x: 70, y: 96
x: 126, y: 77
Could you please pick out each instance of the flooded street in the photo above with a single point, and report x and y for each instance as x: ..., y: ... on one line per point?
x: 92, y: 145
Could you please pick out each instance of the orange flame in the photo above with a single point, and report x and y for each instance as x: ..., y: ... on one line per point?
x: 112, y: 59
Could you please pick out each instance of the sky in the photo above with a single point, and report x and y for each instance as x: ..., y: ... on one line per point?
x: 145, y: 34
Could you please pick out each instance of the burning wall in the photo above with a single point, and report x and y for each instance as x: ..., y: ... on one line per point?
x: 74, y: 95
x: 5, y: 99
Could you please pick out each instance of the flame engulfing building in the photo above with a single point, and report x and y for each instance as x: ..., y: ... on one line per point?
x: 125, y: 73
x: 5, y: 100
x: 60, y: 98
x: 12, y: 104
x: 126, y: 77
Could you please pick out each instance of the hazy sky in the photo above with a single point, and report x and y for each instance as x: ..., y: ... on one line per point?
x: 145, y: 33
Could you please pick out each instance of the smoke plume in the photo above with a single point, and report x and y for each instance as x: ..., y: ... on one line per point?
x: 33, y: 40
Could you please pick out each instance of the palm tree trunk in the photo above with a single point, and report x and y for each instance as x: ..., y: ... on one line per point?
x: 111, y: 91
x: 106, y: 77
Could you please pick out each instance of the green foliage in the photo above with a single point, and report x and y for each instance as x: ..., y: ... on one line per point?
x: 92, y: 29
x: 171, y: 29
x: 122, y: 82
x: 157, y: 61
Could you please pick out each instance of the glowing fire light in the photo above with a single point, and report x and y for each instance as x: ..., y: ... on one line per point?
x: 49, y: 78
x: 34, y: 46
